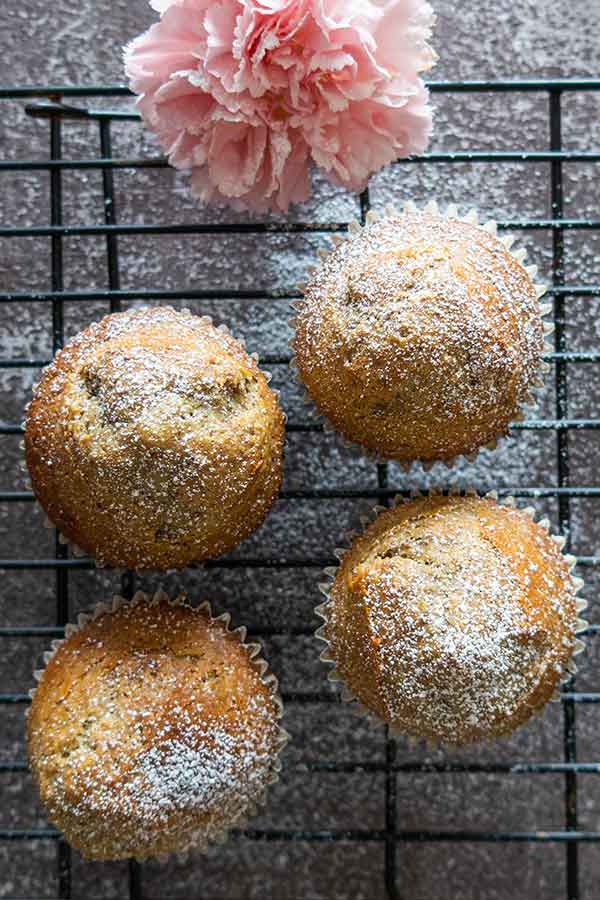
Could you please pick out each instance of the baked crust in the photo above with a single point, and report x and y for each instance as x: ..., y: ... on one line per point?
x: 151, y: 730
x: 154, y: 441
x: 420, y: 337
x: 452, y: 618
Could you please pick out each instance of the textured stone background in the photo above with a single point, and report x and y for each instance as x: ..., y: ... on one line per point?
x: 79, y: 43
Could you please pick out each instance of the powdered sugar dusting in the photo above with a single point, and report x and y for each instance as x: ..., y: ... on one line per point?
x: 177, y: 776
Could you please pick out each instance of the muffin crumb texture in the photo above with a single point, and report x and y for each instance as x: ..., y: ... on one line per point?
x: 153, y: 440
x: 420, y: 337
x: 151, y: 731
x: 452, y: 618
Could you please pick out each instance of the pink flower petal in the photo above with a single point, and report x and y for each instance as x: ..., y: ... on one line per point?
x: 248, y: 93
x: 235, y: 156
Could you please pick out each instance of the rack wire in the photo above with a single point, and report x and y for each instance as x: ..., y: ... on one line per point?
x: 62, y: 104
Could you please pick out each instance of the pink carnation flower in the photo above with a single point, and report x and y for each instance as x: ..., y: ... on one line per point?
x: 248, y: 93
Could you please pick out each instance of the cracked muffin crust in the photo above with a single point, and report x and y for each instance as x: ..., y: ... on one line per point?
x: 154, y: 441
x: 152, y: 729
x: 420, y: 337
x: 452, y: 618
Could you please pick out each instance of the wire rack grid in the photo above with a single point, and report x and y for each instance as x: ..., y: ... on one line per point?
x: 60, y: 105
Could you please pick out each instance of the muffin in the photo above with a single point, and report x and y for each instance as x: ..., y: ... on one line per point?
x: 153, y: 729
x: 420, y: 337
x: 154, y: 441
x: 453, y: 618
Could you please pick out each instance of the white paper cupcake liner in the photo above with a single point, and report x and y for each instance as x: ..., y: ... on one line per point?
x: 537, y: 382
x: 77, y: 551
x: 202, y: 840
x: 330, y: 573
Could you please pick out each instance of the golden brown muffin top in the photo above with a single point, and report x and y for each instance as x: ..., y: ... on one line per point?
x: 153, y: 439
x: 453, y: 618
x: 420, y: 337
x: 151, y: 729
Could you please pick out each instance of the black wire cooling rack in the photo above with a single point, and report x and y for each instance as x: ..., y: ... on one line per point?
x: 61, y: 104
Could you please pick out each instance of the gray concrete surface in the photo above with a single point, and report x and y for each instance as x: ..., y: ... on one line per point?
x: 79, y: 43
